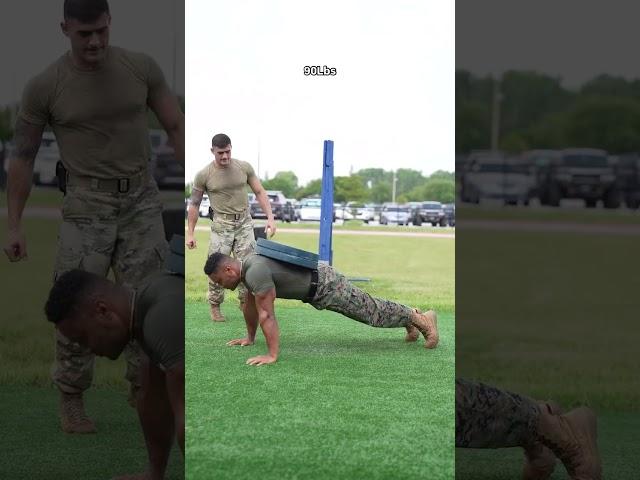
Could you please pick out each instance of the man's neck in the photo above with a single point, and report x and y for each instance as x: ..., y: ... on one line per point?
x: 85, y: 66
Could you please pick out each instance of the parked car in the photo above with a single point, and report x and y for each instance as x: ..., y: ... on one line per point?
x: 342, y: 212
x: 429, y: 212
x: 277, y: 201
x: 360, y: 211
x: 494, y: 176
x: 203, y: 210
x: 288, y: 212
x: 44, y: 166
x: 394, y: 213
x: 310, y: 209
x: 584, y: 173
x: 628, y: 174
x: 450, y: 213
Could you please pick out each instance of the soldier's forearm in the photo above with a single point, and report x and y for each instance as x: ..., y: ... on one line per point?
x: 19, y: 181
x: 251, y: 320
x: 271, y: 332
x: 158, y: 428
x: 176, y: 135
x: 192, y: 218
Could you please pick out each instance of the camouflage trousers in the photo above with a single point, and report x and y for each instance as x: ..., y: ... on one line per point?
x: 102, y: 231
x: 230, y: 237
x: 337, y: 294
x: 487, y: 417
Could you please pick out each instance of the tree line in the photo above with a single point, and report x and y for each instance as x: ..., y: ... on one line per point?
x: 537, y: 111
x: 370, y: 185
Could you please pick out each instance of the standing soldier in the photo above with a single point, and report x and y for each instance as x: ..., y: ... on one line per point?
x: 95, y: 98
x: 224, y: 180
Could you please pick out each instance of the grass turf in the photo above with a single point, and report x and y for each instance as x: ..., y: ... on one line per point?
x: 552, y: 316
x: 344, y: 400
x: 617, y: 440
x: 34, y: 447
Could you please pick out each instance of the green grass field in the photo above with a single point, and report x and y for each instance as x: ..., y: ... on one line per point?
x: 551, y: 316
x: 344, y: 400
x: 36, y: 447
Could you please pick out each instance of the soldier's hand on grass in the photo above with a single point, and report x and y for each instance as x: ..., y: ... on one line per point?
x: 261, y: 360
x: 16, y: 246
x: 243, y: 342
x: 191, y: 242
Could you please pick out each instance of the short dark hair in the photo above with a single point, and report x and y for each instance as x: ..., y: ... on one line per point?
x: 85, y: 11
x: 67, y: 294
x: 215, y: 261
x: 220, y: 140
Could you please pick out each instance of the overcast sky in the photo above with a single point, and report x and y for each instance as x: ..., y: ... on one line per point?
x: 571, y: 39
x: 31, y: 38
x: 391, y: 104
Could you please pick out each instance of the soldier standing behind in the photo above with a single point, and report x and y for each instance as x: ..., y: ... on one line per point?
x: 224, y: 180
x: 95, y: 98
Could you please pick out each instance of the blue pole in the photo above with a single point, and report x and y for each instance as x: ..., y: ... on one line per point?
x: 326, y: 211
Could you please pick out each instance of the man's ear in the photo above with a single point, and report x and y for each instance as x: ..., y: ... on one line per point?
x: 63, y: 27
x: 212, y: 150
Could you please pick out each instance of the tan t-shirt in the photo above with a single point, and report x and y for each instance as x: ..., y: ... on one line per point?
x: 99, y: 117
x: 226, y: 186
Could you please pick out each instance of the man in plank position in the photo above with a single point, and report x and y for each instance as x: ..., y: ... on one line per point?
x: 104, y: 317
x: 324, y: 288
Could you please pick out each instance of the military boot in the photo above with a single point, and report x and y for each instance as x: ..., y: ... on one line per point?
x: 572, y: 437
x: 539, y: 461
x: 216, y: 314
x: 412, y: 332
x: 427, y: 324
x: 72, y: 414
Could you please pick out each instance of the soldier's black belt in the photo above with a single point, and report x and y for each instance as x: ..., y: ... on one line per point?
x: 109, y: 185
x: 229, y: 216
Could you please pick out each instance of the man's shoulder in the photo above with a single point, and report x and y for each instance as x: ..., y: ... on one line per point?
x: 205, y: 172
x: 242, y: 165
x: 123, y: 54
x: 50, y: 74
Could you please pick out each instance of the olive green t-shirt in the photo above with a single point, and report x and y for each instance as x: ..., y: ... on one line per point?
x: 261, y: 274
x: 225, y: 186
x: 99, y: 117
x: 158, y: 319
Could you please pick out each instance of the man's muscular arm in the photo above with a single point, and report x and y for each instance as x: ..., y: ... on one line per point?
x: 192, y: 215
x: 27, y: 139
x: 251, y: 319
x: 269, y: 325
x: 263, y: 200
x: 166, y: 107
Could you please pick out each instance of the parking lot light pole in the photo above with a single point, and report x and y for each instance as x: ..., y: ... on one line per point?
x: 393, y: 188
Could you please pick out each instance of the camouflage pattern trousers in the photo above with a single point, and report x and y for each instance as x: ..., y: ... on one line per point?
x: 102, y: 231
x: 487, y: 417
x: 337, y: 294
x: 230, y: 237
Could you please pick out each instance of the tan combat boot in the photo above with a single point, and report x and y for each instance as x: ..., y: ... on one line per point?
x: 412, y: 332
x: 572, y: 437
x: 216, y: 314
x: 539, y: 461
x: 427, y: 324
x: 72, y: 414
